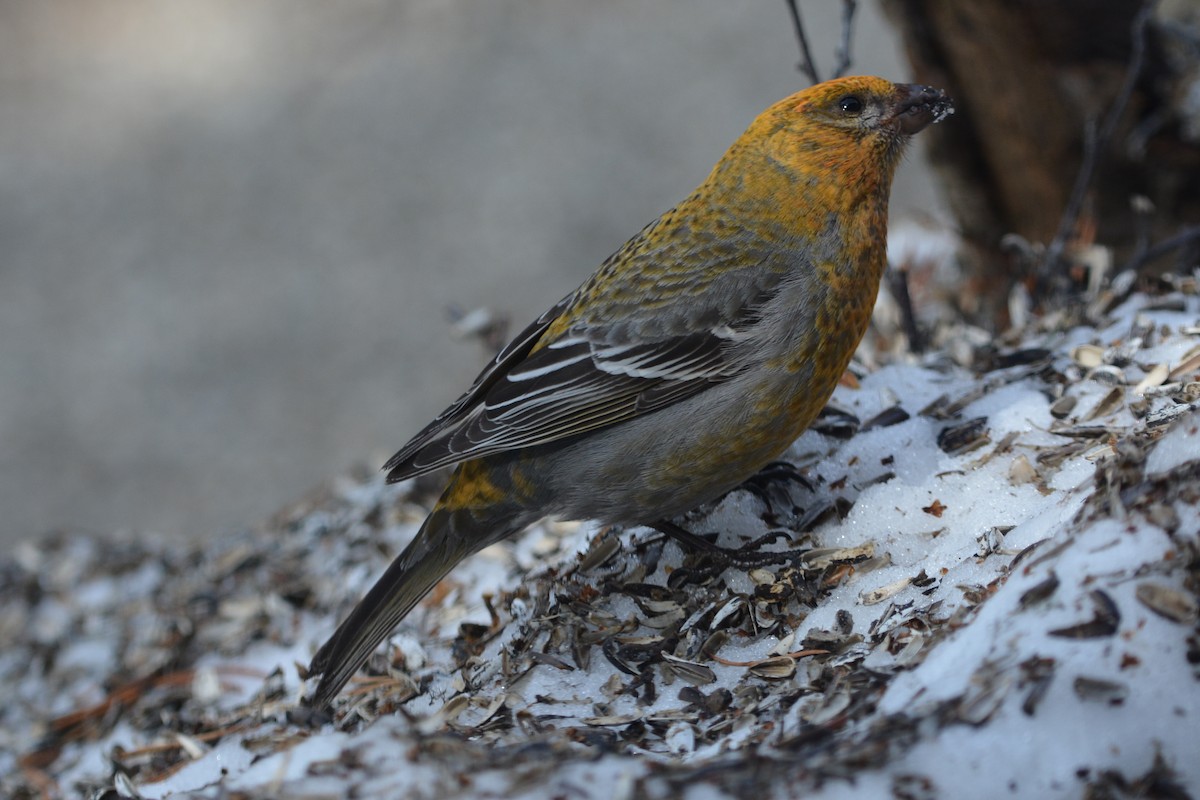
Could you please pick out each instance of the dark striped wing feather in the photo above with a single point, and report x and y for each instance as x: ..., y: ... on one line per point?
x: 573, y: 385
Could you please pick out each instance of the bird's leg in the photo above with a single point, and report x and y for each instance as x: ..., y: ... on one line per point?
x: 747, y: 556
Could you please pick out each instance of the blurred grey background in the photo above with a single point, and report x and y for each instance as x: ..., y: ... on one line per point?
x: 230, y: 230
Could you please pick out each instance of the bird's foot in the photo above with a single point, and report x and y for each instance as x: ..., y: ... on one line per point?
x: 771, y: 484
x: 748, y: 556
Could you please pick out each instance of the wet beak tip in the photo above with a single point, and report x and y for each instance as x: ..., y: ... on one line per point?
x: 925, y: 106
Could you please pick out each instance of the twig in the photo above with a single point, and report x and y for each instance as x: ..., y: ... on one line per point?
x: 843, y: 50
x: 1143, y: 222
x: 808, y: 66
x: 897, y: 281
x: 1180, y: 239
x: 1099, y: 141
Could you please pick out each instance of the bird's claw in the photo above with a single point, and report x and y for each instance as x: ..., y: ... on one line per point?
x: 770, y: 484
x: 748, y: 556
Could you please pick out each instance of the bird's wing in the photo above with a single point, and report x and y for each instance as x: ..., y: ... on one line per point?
x: 579, y: 382
x: 400, y: 465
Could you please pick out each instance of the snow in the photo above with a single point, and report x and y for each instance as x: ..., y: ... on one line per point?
x: 1002, y: 615
x: 1180, y: 446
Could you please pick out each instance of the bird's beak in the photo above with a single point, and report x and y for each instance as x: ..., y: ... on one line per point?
x: 918, y: 106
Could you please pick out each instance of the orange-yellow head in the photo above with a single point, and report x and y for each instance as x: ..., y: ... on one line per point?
x: 841, y: 138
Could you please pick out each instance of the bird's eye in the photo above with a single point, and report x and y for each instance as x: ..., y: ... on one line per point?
x: 850, y: 104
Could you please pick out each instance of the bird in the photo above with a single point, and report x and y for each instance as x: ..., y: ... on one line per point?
x: 693, y: 356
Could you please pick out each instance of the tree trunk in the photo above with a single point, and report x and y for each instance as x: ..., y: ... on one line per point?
x: 1029, y: 77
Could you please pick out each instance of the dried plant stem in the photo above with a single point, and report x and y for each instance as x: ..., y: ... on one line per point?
x: 808, y: 66
x: 1184, y: 237
x: 843, y: 51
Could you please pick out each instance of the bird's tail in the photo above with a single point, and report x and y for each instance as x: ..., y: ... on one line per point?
x: 447, y: 537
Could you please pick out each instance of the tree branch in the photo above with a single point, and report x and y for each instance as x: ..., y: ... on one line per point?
x: 1097, y: 142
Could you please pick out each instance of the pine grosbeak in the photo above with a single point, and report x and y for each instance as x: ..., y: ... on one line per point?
x: 690, y: 359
